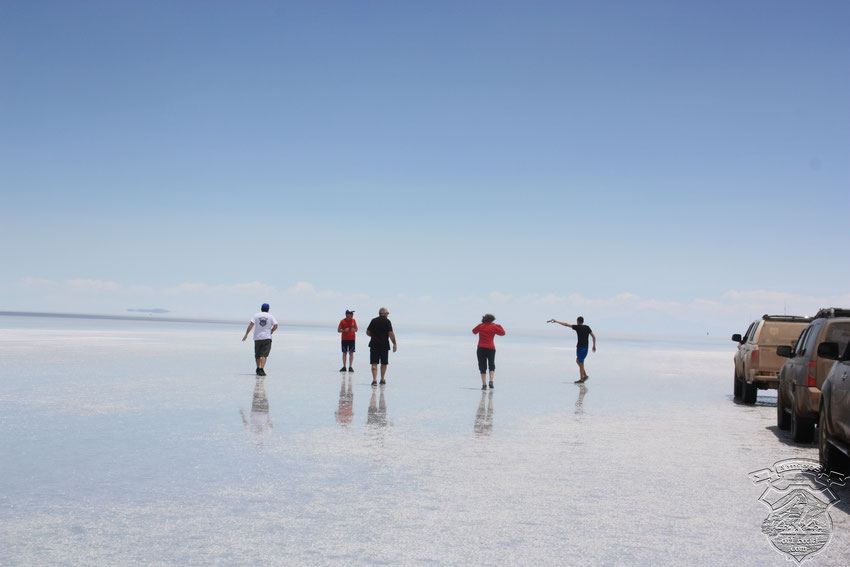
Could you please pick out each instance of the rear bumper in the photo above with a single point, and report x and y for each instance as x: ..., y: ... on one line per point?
x: 808, y: 401
x: 766, y: 381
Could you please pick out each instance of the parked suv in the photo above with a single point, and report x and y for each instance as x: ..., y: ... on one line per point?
x: 756, y: 364
x: 834, y: 422
x: 803, y: 374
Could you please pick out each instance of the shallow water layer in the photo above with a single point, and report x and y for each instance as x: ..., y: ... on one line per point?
x: 150, y: 443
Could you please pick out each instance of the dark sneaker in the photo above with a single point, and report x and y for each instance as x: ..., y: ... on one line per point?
x: 585, y: 379
x: 350, y: 369
x: 579, y: 382
x: 374, y: 383
x: 483, y: 386
x: 342, y: 369
x: 258, y: 371
x: 383, y: 382
x: 261, y: 372
x: 491, y: 384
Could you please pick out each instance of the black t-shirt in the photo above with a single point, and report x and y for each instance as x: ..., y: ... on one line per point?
x: 379, y: 330
x: 583, y: 331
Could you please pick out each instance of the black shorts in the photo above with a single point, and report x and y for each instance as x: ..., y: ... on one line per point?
x: 348, y: 346
x: 485, y: 356
x: 262, y: 348
x: 379, y: 356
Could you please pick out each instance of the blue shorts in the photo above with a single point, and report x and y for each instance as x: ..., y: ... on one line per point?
x: 347, y: 346
x: 581, y: 354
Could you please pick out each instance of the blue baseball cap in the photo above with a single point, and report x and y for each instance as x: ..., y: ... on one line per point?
x: 265, y: 307
x: 347, y: 311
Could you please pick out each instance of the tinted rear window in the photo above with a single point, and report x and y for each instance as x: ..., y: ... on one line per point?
x: 776, y: 333
x: 838, y: 333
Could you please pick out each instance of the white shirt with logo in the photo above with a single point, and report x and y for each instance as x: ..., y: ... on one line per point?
x: 263, y: 324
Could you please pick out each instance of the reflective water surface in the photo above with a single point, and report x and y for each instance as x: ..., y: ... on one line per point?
x: 150, y: 443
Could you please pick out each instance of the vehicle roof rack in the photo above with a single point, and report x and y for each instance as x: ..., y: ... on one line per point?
x: 828, y: 312
x: 798, y: 318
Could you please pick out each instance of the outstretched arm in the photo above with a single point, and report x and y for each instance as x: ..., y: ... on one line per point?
x: 248, y: 330
x: 560, y: 323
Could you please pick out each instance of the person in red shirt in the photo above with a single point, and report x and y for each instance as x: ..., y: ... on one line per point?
x: 348, y: 328
x: 486, y: 348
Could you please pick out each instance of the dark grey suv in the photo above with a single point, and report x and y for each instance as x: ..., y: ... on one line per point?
x: 803, y: 374
x: 834, y: 422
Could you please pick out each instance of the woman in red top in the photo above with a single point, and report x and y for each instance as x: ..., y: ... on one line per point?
x: 486, y: 348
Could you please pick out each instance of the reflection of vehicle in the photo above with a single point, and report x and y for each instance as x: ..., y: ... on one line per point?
x: 803, y: 374
x: 834, y: 422
x: 756, y: 363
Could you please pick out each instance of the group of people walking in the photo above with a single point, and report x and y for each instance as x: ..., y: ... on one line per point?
x: 381, y: 334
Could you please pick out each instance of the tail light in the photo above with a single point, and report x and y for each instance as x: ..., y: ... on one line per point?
x: 810, y: 374
x: 754, y: 359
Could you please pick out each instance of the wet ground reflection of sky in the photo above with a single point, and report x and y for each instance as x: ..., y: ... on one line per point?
x: 126, y: 443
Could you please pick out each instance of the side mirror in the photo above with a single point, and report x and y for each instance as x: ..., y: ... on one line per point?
x: 828, y: 351
x: 784, y: 351
x: 736, y: 337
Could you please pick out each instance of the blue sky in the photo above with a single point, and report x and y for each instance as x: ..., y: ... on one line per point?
x: 664, y: 166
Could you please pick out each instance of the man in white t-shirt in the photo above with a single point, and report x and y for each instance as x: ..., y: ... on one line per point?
x: 264, y: 324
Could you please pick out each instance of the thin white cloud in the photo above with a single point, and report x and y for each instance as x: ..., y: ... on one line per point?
x: 37, y: 283
x: 96, y: 286
x: 187, y: 288
x: 202, y: 288
x: 302, y: 287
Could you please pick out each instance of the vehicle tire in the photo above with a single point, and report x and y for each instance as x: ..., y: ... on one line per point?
x: 802, y: 428
x: 831, y: 459
x: 783, y: 420
x: 736, y: 388
x: 750, y: 392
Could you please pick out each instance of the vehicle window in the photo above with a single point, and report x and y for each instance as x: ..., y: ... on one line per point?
x: 756, y: 330
x: 798, y: 348
x: 751, y: 335
x: 811, y: 337
x: 776, y: 333
x: 746, y: 336
x: 838, y: 333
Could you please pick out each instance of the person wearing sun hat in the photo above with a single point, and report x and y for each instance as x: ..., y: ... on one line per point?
x: 348, y: 328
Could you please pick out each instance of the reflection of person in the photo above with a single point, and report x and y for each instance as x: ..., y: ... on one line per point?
x: 580, y: 401
x: 259, y: 423
x: 380, y: 330
x: 486, y: 347
x: 484, y: 415
x: 345, y: 411
x: 264, y: 325
x: 377, y: 415
x: 348, y: 328
x: 582, y: 332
